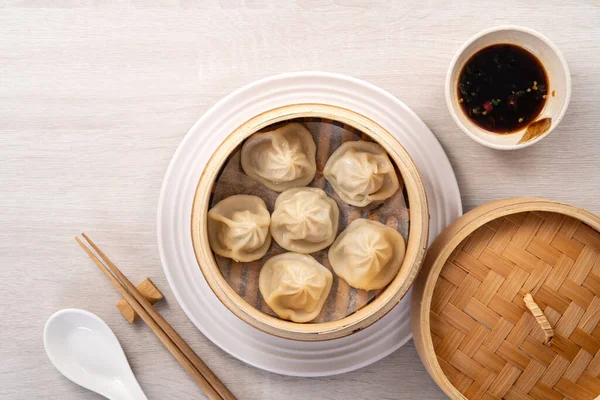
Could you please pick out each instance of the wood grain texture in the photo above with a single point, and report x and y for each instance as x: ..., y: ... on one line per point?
x: 96, y: 95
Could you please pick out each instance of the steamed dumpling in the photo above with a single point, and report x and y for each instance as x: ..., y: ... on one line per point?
x: 280, y: 159
x: 305, y: 220
x: 238, y: 228
x: 368, y: 254
x: 361, y: 172
x: 295, y: 286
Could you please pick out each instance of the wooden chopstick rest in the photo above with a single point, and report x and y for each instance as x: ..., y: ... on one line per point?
x: 150, y: 293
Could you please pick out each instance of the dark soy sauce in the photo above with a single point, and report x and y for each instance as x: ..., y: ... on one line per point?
x: 502, y: 88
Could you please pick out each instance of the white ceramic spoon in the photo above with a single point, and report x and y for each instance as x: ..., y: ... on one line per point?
x: 85, y: 350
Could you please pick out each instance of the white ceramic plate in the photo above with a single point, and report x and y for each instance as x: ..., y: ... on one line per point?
x: 216, y: 322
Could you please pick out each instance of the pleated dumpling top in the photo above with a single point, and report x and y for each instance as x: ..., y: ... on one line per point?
x: 295, y: 286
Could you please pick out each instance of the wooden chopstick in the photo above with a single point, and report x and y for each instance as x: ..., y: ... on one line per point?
x: 166, y: 341
x: 173, y: 335
x: 209, y: 383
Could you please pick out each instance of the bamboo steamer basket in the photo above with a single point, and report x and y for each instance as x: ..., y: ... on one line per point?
x: 475, y: 333
x: 415, y: 247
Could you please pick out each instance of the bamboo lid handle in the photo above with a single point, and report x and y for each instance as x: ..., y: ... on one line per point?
x: 539, y: 317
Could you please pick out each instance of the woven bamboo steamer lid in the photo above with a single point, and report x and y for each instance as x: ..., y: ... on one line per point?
x: 472, y: 327
x: 386, y: 300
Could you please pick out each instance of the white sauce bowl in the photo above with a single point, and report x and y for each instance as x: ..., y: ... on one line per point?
x: 559, y: 84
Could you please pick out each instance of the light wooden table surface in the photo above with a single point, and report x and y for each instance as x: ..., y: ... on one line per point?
x: 96, y: 95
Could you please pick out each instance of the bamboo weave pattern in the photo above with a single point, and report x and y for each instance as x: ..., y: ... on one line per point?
x: 487, y: 342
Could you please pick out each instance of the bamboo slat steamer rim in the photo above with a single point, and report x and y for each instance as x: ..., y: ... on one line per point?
x: 508, y: 303
x: 386, y: 300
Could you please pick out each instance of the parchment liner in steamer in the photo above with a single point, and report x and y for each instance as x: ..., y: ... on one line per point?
x: 243, y: 277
